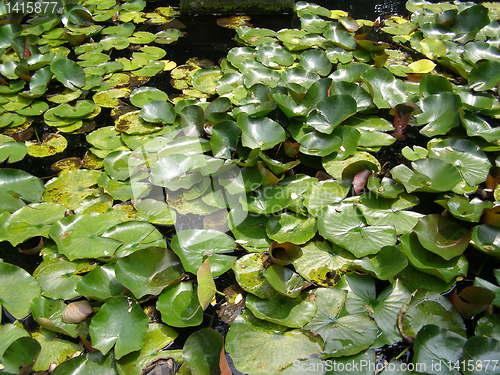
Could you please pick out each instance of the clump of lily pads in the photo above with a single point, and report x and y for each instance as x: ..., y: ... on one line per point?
x: 269, y: 170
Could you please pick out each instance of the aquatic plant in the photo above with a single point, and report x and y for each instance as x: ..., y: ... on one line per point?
x: 330, y: 193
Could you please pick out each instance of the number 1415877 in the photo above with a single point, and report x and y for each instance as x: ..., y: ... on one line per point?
x: 37, y: 7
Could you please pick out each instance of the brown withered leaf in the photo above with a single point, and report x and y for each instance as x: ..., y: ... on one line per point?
x: 402, y: 115
x: 360, y: 180
x: 472, y: 300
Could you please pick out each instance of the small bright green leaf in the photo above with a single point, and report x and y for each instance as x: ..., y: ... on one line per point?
x: 206, y: 286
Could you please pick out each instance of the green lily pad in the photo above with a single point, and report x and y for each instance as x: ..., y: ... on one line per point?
x: 322, y: 263
x: 48, y: 313
x: 17, y: 289
x: 93, y: 362
x: 179, y: 306
x: 290, y: 312
x: 484, y: 76
x: 430, y: 175
x: 482, y: 352
x: 268, y: 344
x: 193, y: 245
x: 79, y: 236
x: 284, y: 281
x: 326, y: 117
x: 315, y: 61
x: 488, y: 326
x: 54, y: 349
x: 260, y: 132
x: 249, y: 270
x: 273, y: 55
x: 100, y: 284
x: 20, y: 354
x: 51, y: 144
x: 384, y: 308
x: 149, y: 271
x: 82, y: 109
x: 142, y: 95
x: 72, y: 189
x: 158, y: 112
x: 58, y: 278
x: 485, y: 238
x: 435, y: 345
x: 442, y: 236
x: 269, y: 199
x: 18, y: 187
x: 132, y: 123
x: 205, y: 80
x: 348, y: 334
x: 324, y: 193
x: 158, y: 337
x: 291, y: 228
x: 318, y: 144
x: 440, y: 113
x: 386, y: 91
x: 118, y: 42
x: 69, y: 73
x: 202, y: 351
x: 249, y: 230
x: 429, y: 262
x: 462, y: 209
x: 167, y: 36
x: 10, y: 150
x: 110, y: 98
x: 31, y: 221
x: 424, y: 308
x: 121, y: 323
x: 345, y: 226
x: 466, y: 156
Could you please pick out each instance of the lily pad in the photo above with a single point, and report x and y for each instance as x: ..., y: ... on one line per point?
x: 345, y: 226
x: 344, y: 335
x: 17, y: 289
x: 158, y: 111
x: 442, y: 236
x: 17, y: 187
x: 268, y: 344
x: 291, y: 228
x: 51, y: 144
x: 193, y: 245
x: 179, y: 306
x: 58, y: 278
x: 466, y: 156
x: 326, y: 117
x: 424, y: 308
x: 121, y: 323
x: 203, y: 351
x: 143, y: 95
x: 100, y: 283
x: 485, y: 238
x: 149, y: 271
x: 260, y: 132
x: 69, y: 73
x: 79, y: 236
